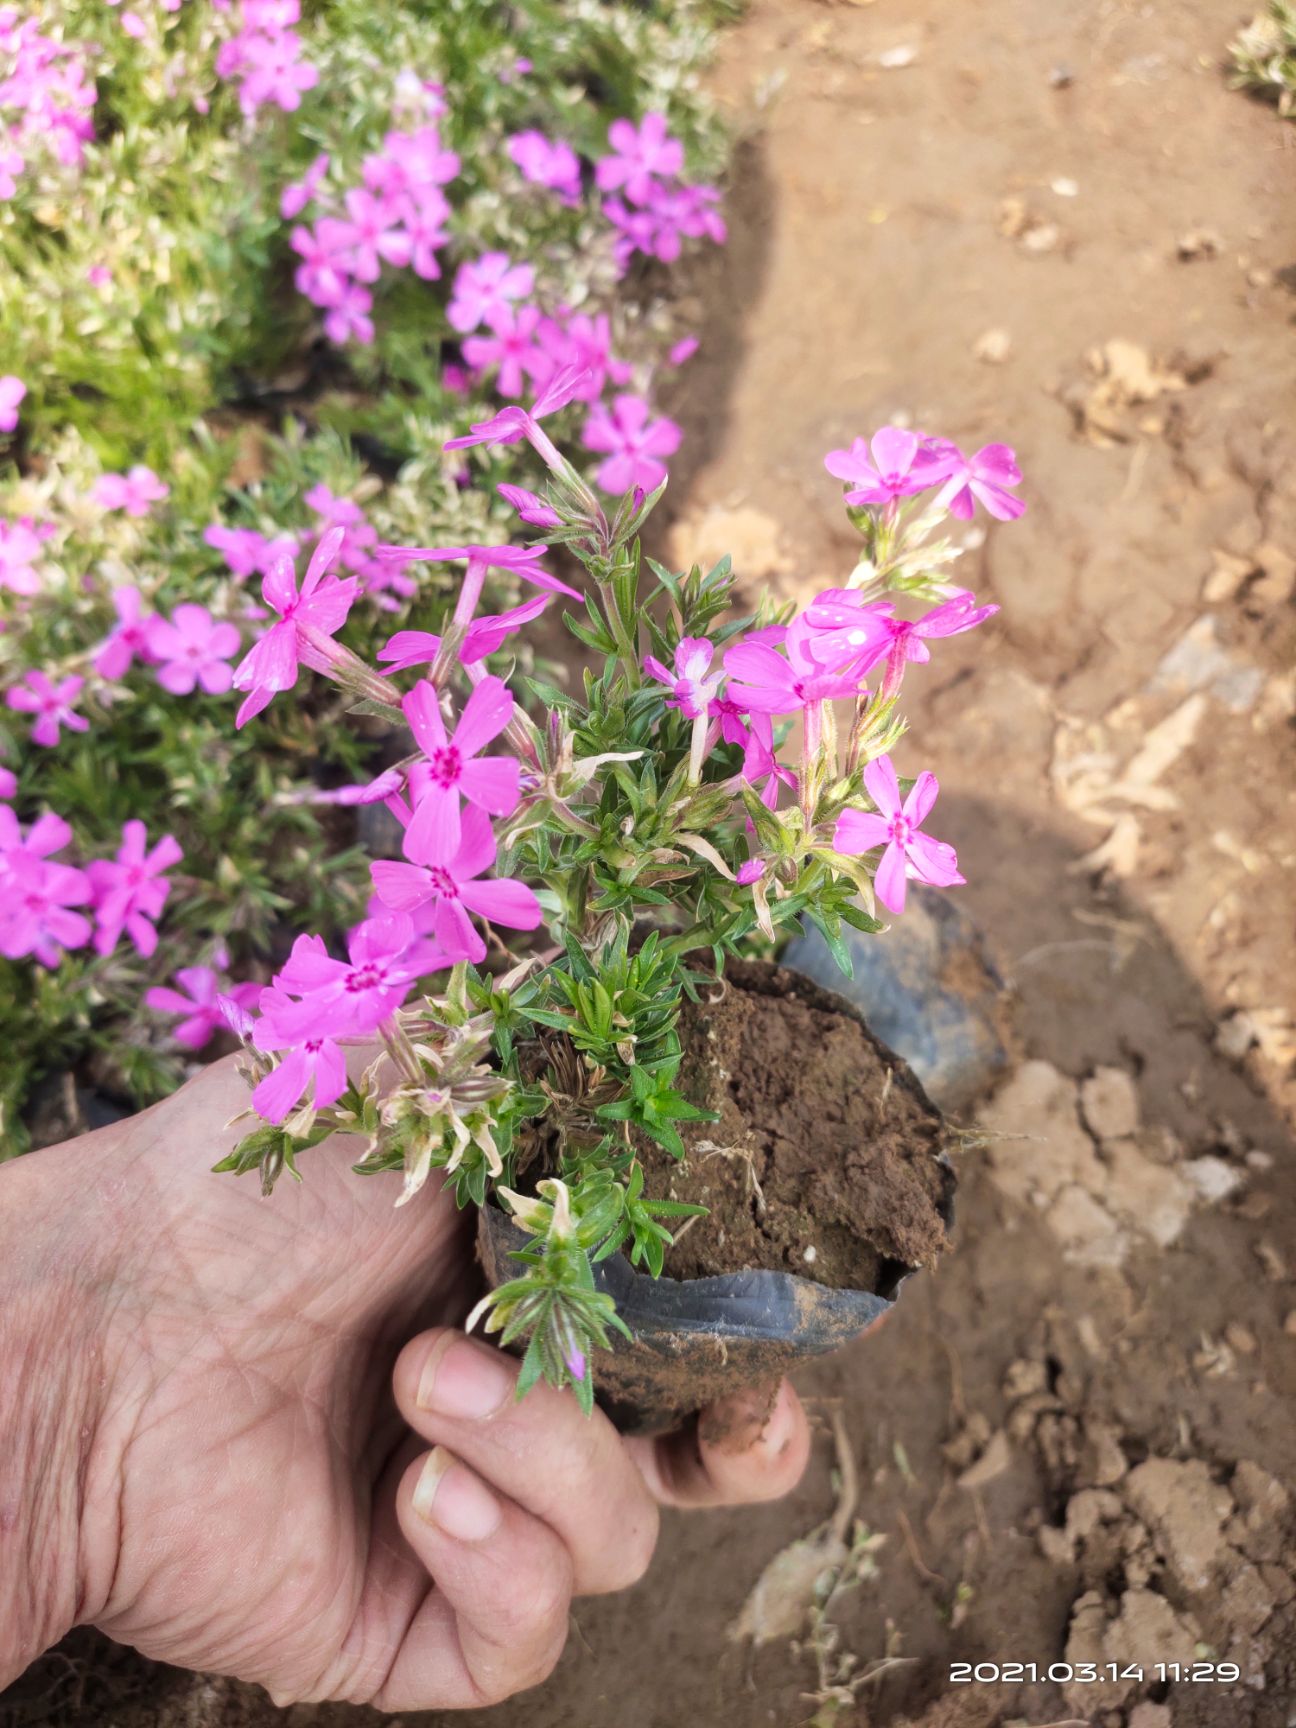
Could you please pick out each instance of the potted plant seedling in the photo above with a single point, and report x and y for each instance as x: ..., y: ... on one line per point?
x: 692, y: 1166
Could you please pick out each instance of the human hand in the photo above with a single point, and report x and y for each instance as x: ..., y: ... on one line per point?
x: 202, y: 1454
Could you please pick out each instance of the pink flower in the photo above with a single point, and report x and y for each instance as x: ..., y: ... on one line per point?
x: 981, y: 479
x: 640, y: 157
x: 116, y: 654
x: 531, y: 508
x: 8, y: 783
x: 510, y: 424
x: 842, y: 630
x: 447, y: 879
x: 766, y: 682
x: 351, y: 997
x: 376, y: 234
x: 324, y: 274
x: 135, y: 492
x: 12, y: 391
x: 635, y: 444
x: 425, y: 225
x: 50, y: 703
x: 348, y: 317
x: 36, y: 916
x: 196, y: 1001
x: 909, y: 854
x: 316, y: 1061
x: 129, y: 891
x: 584, y: 342
x: 272, y: 70
x: 271, y: 665
x: 750, y: 871
x: 192, y: 648
x: 510, y: 347
x: 246, y: 552
x: 298, y: 193
x: 896, y: 465
x: 485, y: 635
x: 545, y: 163
x: 523, y: 561
x: 484, y: 286
x: 692, y: 685
x: 20, y: 547
x: 683, y: 350
x: 453, y: 767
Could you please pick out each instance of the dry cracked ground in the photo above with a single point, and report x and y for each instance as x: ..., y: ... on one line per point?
x: 1052, y: 225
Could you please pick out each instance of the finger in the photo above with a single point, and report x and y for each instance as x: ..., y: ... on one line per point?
x: 571, y: 1470
x: 748, y: 1448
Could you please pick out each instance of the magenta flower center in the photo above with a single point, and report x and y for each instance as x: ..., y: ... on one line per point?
x: 901, y: 830
x: 441, y: 881
x: 371, y: 977
x: 446, y: 765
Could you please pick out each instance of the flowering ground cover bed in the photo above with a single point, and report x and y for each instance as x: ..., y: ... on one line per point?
x: 239, y: 311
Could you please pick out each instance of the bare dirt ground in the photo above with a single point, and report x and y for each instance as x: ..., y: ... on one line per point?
x: 1050, y: 225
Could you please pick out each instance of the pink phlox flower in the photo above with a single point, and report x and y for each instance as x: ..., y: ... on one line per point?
x: 376, y: 791
x: 313, y: 1059
x: 271, y: 70
x: 197, y: 1003
x: 585, y: 342
x: 751, y: 870
x: 529, y: 506
x: 129, y: 890
x: 324, y: 274
x: 453, y: 767
x: 485, y: 635
x: 20, y: 547
x: 634, y: 441
x: 377, y: 237
x: 485, y: 285
x: 448, y: 879
x: 910, y: 854
x: 547, y: 162
x: 425, y: 224
x: 129, y: 640
x: 348, y: 318
x: 908, y: 636
x: 510, y: 347
x: 246, y: 552
x: 12, y: 391
x: 981, y: 479
x: 896, y: 464
x: 410, y: 161
x: 271, y: 665
x: 298, y: 193
x: 52, y: 704
x: 641, y: 157
x: 135, y: 492
x: 692, y: 684
x: 766, y: 682
x: 37, y: 901
x: 510, y: 424
x: 47, y: 835
x: 8, y: 783
x: 350, y: 998
x: 842, y: 630
x: 523, y: 561
x: 190, y: 648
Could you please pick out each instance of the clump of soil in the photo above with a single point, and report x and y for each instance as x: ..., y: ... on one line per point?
x: 827, y: 1157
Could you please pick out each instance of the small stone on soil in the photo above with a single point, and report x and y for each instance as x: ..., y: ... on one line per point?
x: 1109, y: 1103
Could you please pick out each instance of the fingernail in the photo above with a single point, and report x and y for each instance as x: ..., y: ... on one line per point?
x: 465, y: 1380
x: 449, y: 1495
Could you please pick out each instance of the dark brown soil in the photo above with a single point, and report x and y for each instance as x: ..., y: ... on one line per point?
x: 826, y: 1158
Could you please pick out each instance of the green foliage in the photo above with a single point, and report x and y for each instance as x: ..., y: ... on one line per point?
x: 1264, y: 56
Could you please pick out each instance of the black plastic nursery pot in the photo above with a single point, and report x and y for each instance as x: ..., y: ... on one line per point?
x: 702, y: 1338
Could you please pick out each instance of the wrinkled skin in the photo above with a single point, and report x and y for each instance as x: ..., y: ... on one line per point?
x: 232, y: 1486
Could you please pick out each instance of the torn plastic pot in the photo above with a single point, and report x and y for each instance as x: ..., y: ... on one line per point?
x: 701, y: 1338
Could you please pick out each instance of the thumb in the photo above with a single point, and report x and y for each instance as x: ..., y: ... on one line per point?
x: 750, y: 1447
